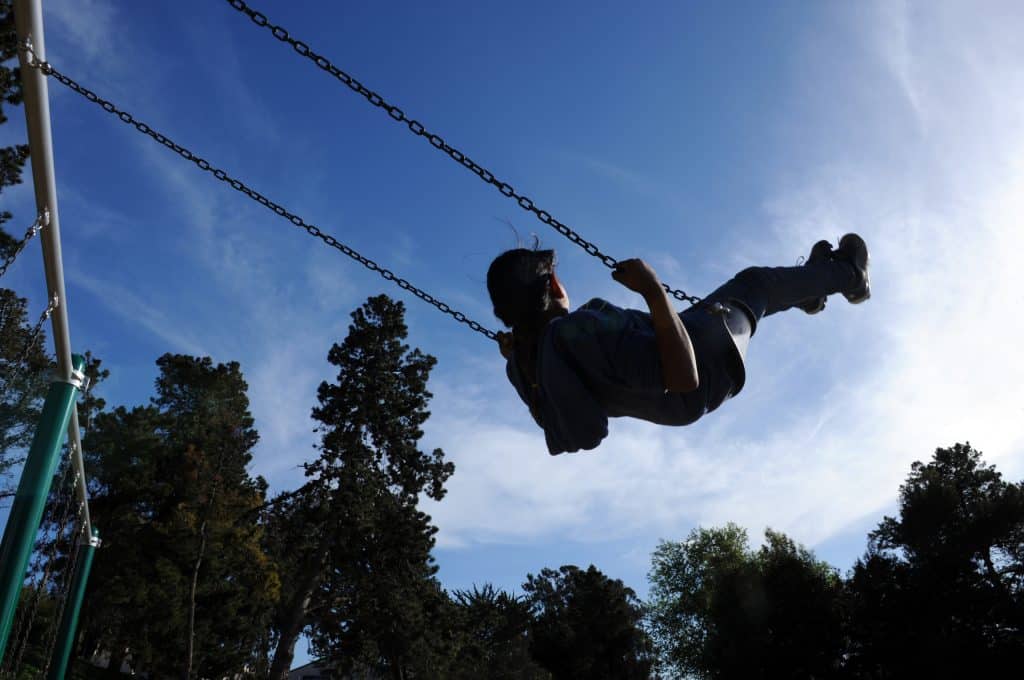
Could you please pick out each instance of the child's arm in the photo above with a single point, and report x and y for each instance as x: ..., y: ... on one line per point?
x: 678, y: 364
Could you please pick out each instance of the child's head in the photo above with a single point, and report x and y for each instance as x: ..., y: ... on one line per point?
x: 523, y: 288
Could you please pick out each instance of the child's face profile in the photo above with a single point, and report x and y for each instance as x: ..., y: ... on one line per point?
x: 559, y: 294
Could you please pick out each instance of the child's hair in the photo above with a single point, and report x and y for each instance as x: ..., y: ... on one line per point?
x: 519, y: 282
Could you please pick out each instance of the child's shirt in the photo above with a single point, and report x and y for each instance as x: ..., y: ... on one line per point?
x: 602, y: 361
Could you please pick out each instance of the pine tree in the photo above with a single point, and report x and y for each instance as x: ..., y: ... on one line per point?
x: 371, y: 573
x: 182, y: 582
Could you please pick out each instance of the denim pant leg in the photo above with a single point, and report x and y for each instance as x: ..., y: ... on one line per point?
x: 768, y: 290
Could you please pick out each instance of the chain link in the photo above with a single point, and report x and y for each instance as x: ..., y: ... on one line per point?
x: 241, y: 187
x: 436, y: 141
x: 37, y: 330
x: 71, y: 565
x: 69, y: 575
x: 19, y: 632
x: 42, y: 220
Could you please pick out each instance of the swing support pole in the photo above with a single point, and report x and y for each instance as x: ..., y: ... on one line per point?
x: 33, y: 490
x: 28, y: 20
x: 72, y: 608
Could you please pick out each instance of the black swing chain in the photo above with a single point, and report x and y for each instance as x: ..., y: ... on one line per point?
x: 19, y: 364
x: 47, y: 69
x: 74, y: 549
x: 418, y: 129
x: 42, y: 219
x: 58, y: 513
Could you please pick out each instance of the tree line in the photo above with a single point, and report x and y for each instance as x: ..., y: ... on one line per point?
x: 202, y: 575
x: 938, y: 593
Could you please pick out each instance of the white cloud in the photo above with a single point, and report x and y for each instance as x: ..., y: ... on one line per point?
x: 281, y: 388
x: 838, y: 405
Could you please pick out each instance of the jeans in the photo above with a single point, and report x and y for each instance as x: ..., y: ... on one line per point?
x: 768, y: 290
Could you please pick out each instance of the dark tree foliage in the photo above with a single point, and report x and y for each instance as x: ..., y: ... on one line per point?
x: 291, y: 532
x: 682, y: 586
x: 90, y: 403
x: 24, y: 367
x: 182, y: 559
x: 29, y: 653
x: 780, y: 615
x: 12, y: 158
x: 493, y: 636
x: 368, y: 571
x: 720, y: 610
x: 940, y: 592
x: 587, y: 625
x: 23, y: 360
x: 42, y: 599
x: 294, y: 524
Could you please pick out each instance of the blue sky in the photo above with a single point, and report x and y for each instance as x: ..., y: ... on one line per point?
x: 704, y: 137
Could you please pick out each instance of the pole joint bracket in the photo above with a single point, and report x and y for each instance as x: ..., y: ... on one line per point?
x: 78, y: 379
x: 30, y: 54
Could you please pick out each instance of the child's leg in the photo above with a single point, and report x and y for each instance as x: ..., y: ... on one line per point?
x: 768, y: 290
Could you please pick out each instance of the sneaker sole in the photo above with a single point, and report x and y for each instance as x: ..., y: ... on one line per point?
x: 858, y: 250
x: 815, y: 306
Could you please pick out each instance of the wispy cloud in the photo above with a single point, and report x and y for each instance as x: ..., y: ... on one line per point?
x: 232, y: 295
x: 283, y: 323
x: 135, y: 310
x: 837, y: 406
x: 895, y: 44
x: 89, y: 25
x: 626, y: 179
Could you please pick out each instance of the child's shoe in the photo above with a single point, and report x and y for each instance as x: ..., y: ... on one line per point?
x: 854, y: 251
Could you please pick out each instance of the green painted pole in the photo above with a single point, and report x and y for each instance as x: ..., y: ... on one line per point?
x: 33, y: 489
x: 65, y: 644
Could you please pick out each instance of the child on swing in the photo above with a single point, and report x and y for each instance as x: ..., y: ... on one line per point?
x: 576, y: 369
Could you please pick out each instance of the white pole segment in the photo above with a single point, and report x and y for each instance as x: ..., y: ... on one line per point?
x: 28, y: 19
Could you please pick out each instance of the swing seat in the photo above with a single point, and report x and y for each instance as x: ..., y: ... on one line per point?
x: 739, y: 322
x: 735, y: 331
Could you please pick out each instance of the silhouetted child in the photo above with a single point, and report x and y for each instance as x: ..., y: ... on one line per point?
x: 574, y: 370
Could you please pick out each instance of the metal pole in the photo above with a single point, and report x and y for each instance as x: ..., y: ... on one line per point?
x: 33, y: 489
x: 69, y: 622
x: 28, y: 20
